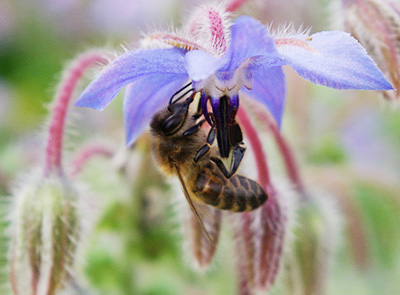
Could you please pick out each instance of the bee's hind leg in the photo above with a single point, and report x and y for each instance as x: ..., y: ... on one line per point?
x: 237, y: 156
x: 206, y: 148
x: 236, y: 137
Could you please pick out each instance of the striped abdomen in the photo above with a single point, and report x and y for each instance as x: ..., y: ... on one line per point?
x: 236, y: 194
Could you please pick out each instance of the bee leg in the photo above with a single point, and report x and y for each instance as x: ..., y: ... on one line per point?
x: 172, y: 101
x: 237, y: 156
x: 221, y: 166
x: 205, y: 148
x: 175, y: 107
x: 236, y: 135
x: 194, y: 129
x: 199, y: 111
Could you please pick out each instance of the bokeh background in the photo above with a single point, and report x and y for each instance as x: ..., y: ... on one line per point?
x: 346, y: 143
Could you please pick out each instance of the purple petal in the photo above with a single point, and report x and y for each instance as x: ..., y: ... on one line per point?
x: 126, y: 69
x: 269, y: 88
x: 334, y: 59
x: 249, y: 38
x: 144, y: 97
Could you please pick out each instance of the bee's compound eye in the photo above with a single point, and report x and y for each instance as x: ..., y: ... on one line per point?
x: 173, y: 123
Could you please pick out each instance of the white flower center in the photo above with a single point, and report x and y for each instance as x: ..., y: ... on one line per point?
x: 223, y: 83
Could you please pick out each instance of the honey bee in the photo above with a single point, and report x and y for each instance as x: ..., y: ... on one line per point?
x: 176, y: 138
x: 223, y: 126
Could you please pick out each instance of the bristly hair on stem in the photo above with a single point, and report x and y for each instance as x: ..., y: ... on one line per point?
x: 86, y: 153
x: 234, y: 5
x: 272, y: 217
x: 254, y: 140
x: 284, y: 148
x: 71, y: 77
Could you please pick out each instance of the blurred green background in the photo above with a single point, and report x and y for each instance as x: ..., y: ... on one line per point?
x: 346, y: 143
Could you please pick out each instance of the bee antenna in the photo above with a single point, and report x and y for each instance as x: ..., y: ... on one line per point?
x: 189, y: 200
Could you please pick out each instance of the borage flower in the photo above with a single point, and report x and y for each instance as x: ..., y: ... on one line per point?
x: 223, y: 62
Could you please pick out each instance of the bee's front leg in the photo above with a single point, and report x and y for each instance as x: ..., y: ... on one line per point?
x: 194, y: 129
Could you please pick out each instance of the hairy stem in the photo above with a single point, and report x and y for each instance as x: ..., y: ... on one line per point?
x: 245, y: 264
x: 13, y: 275
x: 248, y: 240
x: 285, y: 150
x: 261, y: 160
x: 86, y: 153
x: 235, y: 5
x: 61, y: 102
x: 271, y: 235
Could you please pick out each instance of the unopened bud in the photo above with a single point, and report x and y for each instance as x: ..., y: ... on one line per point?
x: 44, y: 228
x: 376, y: 23
x: 317, y: 232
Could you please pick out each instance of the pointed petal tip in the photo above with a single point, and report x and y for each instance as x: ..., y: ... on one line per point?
x: 379, y: 83
x: 88, y: 101
x: 130, y: 139
x: 388, y: 86
x: 128, y: 68
x: 337, y: 60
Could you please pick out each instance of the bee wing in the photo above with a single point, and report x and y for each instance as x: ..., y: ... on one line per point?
x: 190, y: 202
x: 196, y: 241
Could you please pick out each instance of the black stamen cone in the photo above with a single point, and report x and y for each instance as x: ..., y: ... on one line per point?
x: 223, y: 119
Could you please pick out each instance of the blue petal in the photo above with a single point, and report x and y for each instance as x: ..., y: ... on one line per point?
x: 249, y: 38
x: 126, y: 69
x: 269, y: 88
x: 336, y: 60
x: 200, y: 65
x: 144, y: 97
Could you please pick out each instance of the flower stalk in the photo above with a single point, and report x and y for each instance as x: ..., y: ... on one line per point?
x: 255, y: 143
x: 245, y: 247
x: 45, y: 216
x: 288, y: 157
x: 235, y: 5
x: 86, y: 153
x: 59, y: 113
x: 269, y: 240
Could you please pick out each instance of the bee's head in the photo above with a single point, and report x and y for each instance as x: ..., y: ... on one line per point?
x: 170, y: 120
